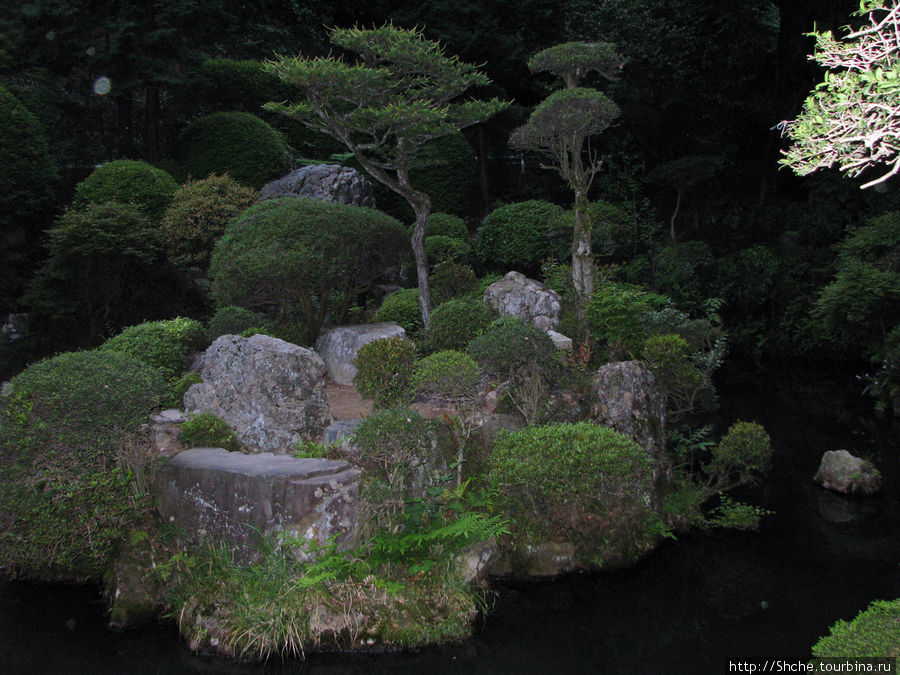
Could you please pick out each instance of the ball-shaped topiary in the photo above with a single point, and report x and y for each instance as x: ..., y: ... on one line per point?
x: 166, y: 345
x: 303, y: 256
x: 402, y: 307
x: 581, y: 483
x: 450, y: 280
x: 72, y: 456
x: 457, y: 322
x: 510, y: 345
x: 440, y: 249
x: 237, y: 143
x: 198, y: 214
x: 446, y: 225
x: 233, y: 320
x: 517, y: 236
x: 448, y: 373
x: 128, y: 181
x: 383, y: 371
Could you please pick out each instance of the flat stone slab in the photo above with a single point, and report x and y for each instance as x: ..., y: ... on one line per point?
x: 214, y: 494
x: 560, y: 341
x: 339, y: 346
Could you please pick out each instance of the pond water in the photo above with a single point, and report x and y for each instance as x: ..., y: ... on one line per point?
x: 695, y: 605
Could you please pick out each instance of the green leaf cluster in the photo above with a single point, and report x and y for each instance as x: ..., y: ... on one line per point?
x: 384, y: 369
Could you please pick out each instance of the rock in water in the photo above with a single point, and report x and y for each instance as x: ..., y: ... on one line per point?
x: 842, y: 472
x: 325, y: 182
x: 271, y: 392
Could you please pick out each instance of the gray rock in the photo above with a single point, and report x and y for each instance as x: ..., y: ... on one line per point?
x: 213, y: 494
x: 626, y: 398
x: 325, y: 182
x: 528, y: 299
x: 560, y: 341
x: 339, y: 346
x: 164, y: 429
x: 339, y: 430
x: 271, y: 392
x: 16, y: 326
x: 842, y: 472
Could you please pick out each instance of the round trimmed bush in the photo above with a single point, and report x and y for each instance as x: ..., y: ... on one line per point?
x: 236, y: 143
x: 128, y: 181
x: 446, y: 225
x: 450, y: 280
x: 72, y: 460
x: 518, y: 236
x: 448, y: 373
x: 509, y: 346
x: 402, y: 307
x: 457, y: 322
x: 303, y: 256
x: 442, y: 249
x: 234, y: 320
x: 198, y: 214
x: 383, y: 371
x: 874, y: 632
x: 166, y: 345
x: 579, y: 483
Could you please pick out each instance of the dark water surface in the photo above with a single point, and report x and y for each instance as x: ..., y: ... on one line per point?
x: 696, y: 605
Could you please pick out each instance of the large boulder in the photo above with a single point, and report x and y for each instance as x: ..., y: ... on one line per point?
x: 625, y: 396
x: 526, y: 298
x: 271, y: 392
x: 213, y: 494
x: 325, y: 182
x: 842, y: 472
x: 339, y: 346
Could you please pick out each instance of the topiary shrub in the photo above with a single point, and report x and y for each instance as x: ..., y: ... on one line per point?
x: 875, y: 632
x: 236, y: 143
x: 578, y: 483
x: 206, y: 430
x: 510, y: 346
x: 441, y: 249
x: 197, y: 216
x: 166, y: 345
x: 457, y: 322
x: 73, y: 461
x: 402, y: 307
x: 234, y: 320
x: 446, y: 225
x: 450, y: 280
x: 383, y: 371
x: 128, y: 181
x: 303, y: 256
x: 516, y: 236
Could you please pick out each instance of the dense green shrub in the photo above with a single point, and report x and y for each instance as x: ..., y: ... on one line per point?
x: 616, y: 315
x: 680, y: 271
x: 688, y: 388
x: 875, y: 632
x: 450, y: 374
x: 129, y: 182
x: 457, y: 322
x: 618, y: 234
x: 206, y: 430
x: 450, y: 280
x: 234, y: 320
x: 516, y: 236
x: 580, y: 483
x: 303, y: 256
x: 198, y: 214
x: 447, y: 225
x: 510, y: 345
x: 383, y: 371
x: 236, y: 143
x: 440, y: 249
x: 402, y: 307
x: 176, y: 388
x: 166, y: 345
x: 72, y: 462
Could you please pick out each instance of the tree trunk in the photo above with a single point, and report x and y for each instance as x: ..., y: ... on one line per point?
x: 582, y: 257
x: 422, y: 207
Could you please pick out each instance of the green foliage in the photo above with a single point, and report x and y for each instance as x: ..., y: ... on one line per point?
x: 510, y: 345
x: 450, y: 280
x: 688, y: 388
x: 573, y: 61
x: 679, y: 270
x: 580, y: 483
x: 178, y: 386
x: 166, y: 345
x: 875, y: 632
x: 236, y: 143
x: 441, y: 249
x: 446, y: 225
x: 516, y: 236
x: 618, y: 232
x: 616, y: 313
x: 197, y: 216
x: 402, y: 307
x: 234, y: 320
x: 29, y: 175
x: 129, y: 182
x: 207, y: 430
x: 73, y: 459
x: 740, y: 458
x: 384, y: 368
x: 745, y: 279
x: 450, y: 374
x: 457, y: 322
x: 303, y: 256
